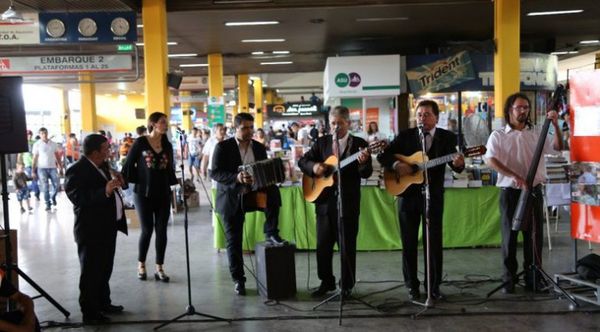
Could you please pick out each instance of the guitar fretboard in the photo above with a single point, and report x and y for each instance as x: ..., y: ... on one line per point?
x: 437, y: 161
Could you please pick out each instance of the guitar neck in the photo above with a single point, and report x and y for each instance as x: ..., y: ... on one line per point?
x: 437, y: 161
x: 349, y: 160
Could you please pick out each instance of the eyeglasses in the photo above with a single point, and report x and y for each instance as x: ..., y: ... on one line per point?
x: 521, y: 108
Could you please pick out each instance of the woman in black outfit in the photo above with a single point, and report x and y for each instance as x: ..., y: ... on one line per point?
x: 150, y: 166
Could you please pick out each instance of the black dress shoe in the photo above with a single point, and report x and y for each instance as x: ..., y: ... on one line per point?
x: 437, y: 295
x: 95, y: 318
x: 414, y: 294
x: 240, y: 288
x: 323, y: 289
x: 508, y: 289
x: 112, y: 309
x: 276, y: 240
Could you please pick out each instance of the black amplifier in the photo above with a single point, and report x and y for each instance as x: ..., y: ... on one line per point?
x: 276, y: 270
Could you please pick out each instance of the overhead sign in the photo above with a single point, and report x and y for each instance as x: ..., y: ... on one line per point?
x: 216, y: 110
x: 65, y: 64
x: 441, y: 74
x: 87, y: 27
x: 21, y: 33
x: 201, y: 82
x: 361, y: 76
x: 538, y: 71
x: 292, y: 110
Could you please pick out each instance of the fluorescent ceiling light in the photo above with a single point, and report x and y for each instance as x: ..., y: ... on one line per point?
x: 555, y: 12
x: 193, y: 65
x: 281, y: 52
x: 381, y: 19
x: 140, y: 26
x: 168, y: 43
x: 181, y: 55
x: 276, y: 63
x: 276, y: 40
x: 11, y: 14
x: 594, y: 41
x: 564, y: 52
x: 237, y: 24
x: 258, y: 53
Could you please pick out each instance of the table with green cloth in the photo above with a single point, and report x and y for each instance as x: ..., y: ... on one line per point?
x: 471, y: 218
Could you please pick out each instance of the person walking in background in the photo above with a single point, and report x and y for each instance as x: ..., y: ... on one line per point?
x: 20, y: 179
x: 46, y: 166
x: 373, y: 132
x: 194, y: 152
x: 26, y: 158
x: 150, y: 166
x: 99, y: 214
x: 72, y: 148
x: 209, y: 148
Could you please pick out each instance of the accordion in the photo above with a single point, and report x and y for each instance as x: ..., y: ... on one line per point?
x: 265, y: 172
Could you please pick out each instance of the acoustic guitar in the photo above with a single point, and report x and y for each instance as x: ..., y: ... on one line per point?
x: 396, y: 185
x: 313, y: 186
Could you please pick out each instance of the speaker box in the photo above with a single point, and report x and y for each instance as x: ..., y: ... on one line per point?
x: 276, y: 270
x: 174, y: 80
x: 13, y: 135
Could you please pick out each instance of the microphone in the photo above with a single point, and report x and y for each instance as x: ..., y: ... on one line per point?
x: 420, y: 127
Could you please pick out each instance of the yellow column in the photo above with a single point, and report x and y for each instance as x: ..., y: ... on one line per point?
x: 215, y: 79
x: 597, y: 62
x: 258, y: 104
x: 66, y: 116
x: 156, y: 62
x: 89, y: 124
x: 186, y: 117
x: 507, y: 57
x: 242, y: 93
x: 269, y: 96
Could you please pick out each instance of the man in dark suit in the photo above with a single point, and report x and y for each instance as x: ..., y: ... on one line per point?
x: 439, y: 142
x: 312, y: 164
x: 99, y: 214
x: 232, y: 190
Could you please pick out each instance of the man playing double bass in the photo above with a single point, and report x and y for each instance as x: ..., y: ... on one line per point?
x: 510, y: 152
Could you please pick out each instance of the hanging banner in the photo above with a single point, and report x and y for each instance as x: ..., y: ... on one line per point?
x: 538, y: 71
x: 584, y: 105
x: 441, y: 74
x: 26, y: 32
x: 216, y: 110
x: 65, y: 64
x: 292, y: 110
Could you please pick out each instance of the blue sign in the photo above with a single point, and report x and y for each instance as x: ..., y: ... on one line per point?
x: 81, y: 27
x: 538, y: 71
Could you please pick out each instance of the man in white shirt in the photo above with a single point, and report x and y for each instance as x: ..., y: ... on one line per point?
x: 46, y: 166
x: 194, y: 152
x: 220, y: 132
x: 510, y: 152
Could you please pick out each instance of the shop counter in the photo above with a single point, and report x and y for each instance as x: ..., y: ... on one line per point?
x: 471, y: 218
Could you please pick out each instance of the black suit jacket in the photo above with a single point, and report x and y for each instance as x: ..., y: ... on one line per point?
x: 407, y: 143
x: 95, y: 214
x: 351, y: 174
x: 225, y: 163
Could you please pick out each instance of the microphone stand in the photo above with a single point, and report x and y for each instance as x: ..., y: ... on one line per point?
x: 339, y: 294
x: 429, y: 303
x: 189, y: 310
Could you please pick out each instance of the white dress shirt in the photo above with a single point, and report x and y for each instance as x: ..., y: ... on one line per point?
x: 515, y: 149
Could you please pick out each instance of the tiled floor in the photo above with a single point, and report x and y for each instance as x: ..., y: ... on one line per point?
x: 47, y: 254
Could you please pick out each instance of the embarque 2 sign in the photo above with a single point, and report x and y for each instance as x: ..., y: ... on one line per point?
x: 65, y: 64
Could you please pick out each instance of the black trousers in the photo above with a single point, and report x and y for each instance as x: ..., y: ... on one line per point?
x: 154, y: 213
x: 96, y: 261
x: 327, y: 236
x: 233, y: 224
x: 410, y: 220
x: 509, y: 198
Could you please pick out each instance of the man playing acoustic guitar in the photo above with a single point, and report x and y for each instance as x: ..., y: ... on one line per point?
x: 313, y: 164
x: 439, y: 142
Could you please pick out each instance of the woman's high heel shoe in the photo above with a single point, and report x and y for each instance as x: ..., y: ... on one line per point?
x: 142, y: 273
x: 162, y: 276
